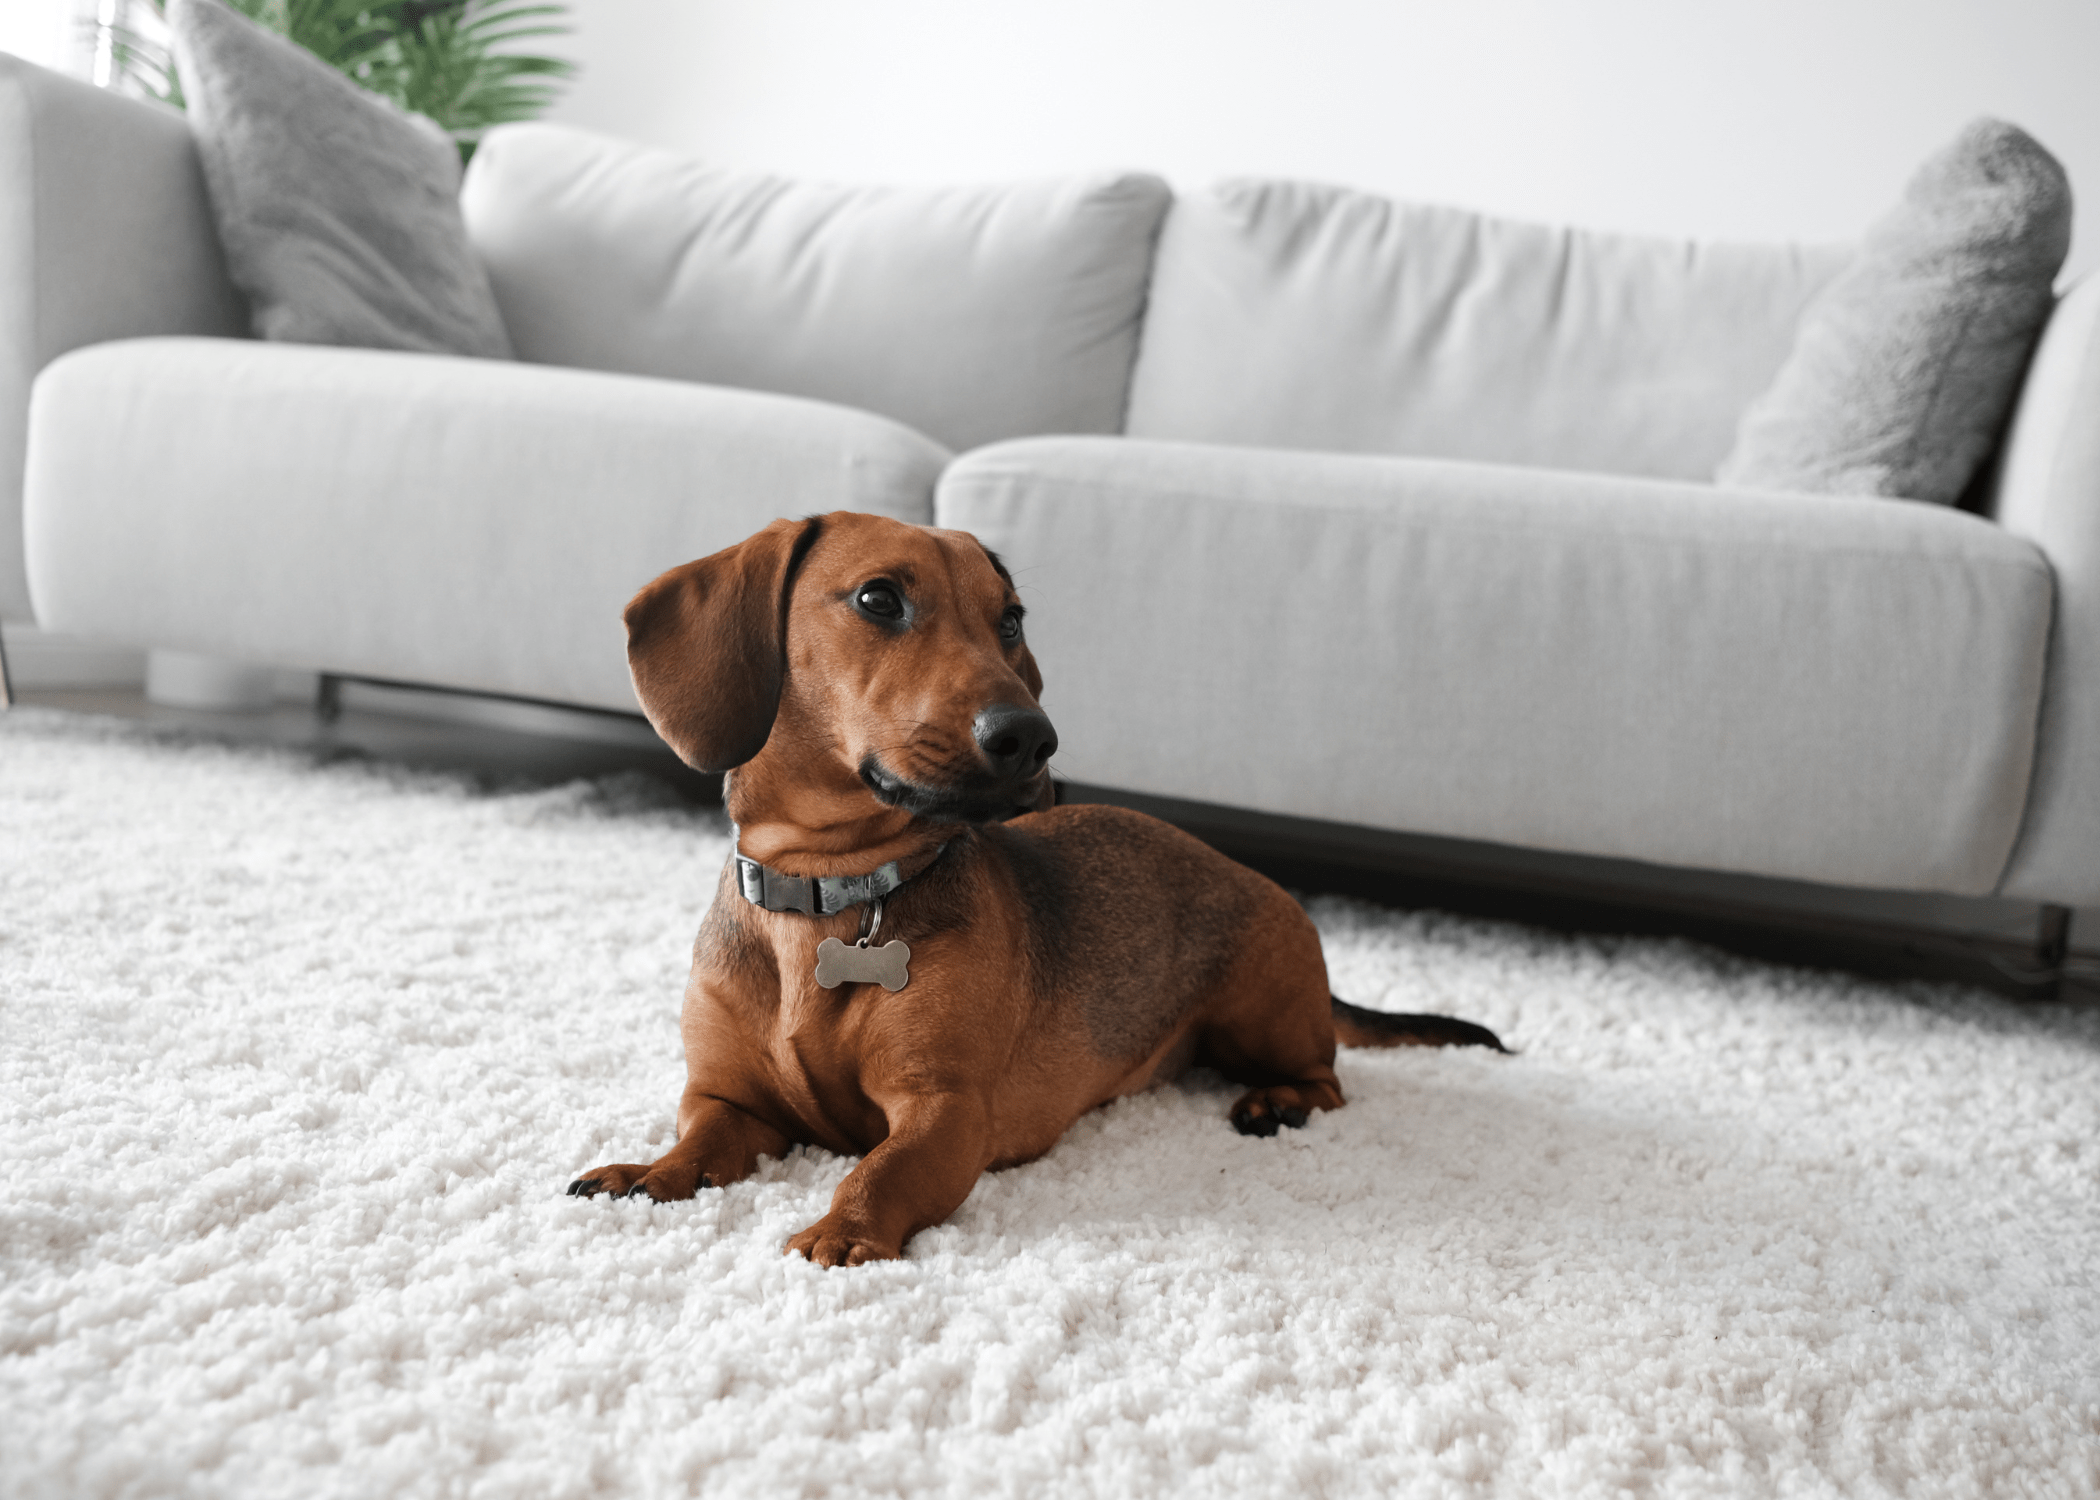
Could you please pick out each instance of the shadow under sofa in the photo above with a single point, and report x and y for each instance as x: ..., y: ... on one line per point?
x: 1491, y: 637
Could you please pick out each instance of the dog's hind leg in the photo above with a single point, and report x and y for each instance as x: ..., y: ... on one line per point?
x: 717, y: 1144
x: 1269, y: 1024
x: 1289, y: 1082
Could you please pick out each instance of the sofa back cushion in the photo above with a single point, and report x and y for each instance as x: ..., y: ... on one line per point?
x: 1290, y: 315
x: 970, y: 313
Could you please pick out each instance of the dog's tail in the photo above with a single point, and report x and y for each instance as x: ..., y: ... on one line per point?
x: 1356, y: 1027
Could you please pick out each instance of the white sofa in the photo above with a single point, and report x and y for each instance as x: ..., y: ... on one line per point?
x: 1310, y: 550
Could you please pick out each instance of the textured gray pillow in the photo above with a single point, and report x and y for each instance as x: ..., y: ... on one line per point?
x: 1905, y: 367
x: 339, y: 213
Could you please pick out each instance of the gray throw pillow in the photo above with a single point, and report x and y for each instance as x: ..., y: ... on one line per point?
x: 1905, y: 367
x: 339, y: 213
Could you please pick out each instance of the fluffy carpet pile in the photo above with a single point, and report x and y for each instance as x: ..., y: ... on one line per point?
x: 296, y: 1061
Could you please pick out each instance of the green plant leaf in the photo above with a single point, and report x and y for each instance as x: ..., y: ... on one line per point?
x: 448, y: 59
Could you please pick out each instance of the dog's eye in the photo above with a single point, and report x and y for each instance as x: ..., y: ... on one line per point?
x: 880, y: 600
x: 1010, y: 624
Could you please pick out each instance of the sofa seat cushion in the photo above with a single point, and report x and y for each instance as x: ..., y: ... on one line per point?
x: 1290, y: 315
x: 971, y: 313
x: 1830, y: 689
x: 445, y: 520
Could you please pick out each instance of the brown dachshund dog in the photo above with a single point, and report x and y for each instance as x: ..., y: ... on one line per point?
x: 867, y: 686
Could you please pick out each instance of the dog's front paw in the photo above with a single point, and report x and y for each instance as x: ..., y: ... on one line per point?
x: 617, y: 1180
x: 630, y: 1180
x: 829, y: 1242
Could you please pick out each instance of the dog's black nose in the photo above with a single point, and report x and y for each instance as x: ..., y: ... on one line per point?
x: 1017, y: 741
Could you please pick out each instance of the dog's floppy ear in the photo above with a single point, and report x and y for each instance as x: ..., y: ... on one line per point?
x: 707, y: 645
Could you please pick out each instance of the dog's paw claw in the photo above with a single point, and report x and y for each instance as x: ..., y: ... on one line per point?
x: 617, y: 1180
x: 637, y: 1191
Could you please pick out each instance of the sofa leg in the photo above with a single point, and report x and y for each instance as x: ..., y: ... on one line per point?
x: 328, y: 697
x: 2041, y: 975
x: 7, y: 682
x: 2052, y: 946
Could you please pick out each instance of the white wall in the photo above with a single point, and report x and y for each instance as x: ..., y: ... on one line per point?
x: 1712, y: 118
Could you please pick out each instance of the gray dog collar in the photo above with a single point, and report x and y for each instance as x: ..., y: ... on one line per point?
x: 812, y: 895
x: 820, y: 895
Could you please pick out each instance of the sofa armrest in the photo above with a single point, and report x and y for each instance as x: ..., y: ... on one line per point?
x: 105, y: 233
x: 2049, y: 493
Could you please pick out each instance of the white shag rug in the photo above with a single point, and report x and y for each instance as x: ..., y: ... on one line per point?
x: 296, y: 1062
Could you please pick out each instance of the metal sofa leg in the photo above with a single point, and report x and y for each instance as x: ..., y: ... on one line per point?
x: 2040, y: 974
x: 2052, y: 947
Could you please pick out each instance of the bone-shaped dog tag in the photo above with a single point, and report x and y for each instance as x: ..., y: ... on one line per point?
x: 848, y: 963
